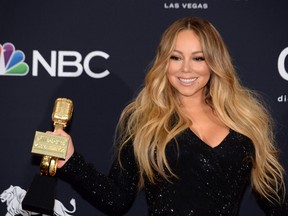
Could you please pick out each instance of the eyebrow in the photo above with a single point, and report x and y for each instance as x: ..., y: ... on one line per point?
x: 195, y: 52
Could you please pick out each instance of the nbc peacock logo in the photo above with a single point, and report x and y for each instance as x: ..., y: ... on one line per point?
x: 12, y: 61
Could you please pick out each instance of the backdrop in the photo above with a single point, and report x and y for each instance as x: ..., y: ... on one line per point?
x: 97, y: 54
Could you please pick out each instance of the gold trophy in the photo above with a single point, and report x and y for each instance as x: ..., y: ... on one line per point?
x: 41, y: 194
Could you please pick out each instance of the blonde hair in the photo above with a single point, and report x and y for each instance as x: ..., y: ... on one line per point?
x: 154, y: 117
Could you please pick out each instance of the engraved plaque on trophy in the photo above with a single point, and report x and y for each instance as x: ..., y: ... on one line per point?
x: 41, y: 194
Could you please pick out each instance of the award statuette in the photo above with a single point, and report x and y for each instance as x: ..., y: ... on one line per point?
x: 41, y: 194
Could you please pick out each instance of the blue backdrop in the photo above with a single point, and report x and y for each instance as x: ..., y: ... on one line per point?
x: 97, y: 53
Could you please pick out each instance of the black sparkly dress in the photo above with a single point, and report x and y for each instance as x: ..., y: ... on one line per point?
x: 210, y: 181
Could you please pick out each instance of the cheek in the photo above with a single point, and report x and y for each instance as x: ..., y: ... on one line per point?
x: 173, y: 67
x: 208, y: 76
x: 171, y: 76
x: 203, y: 71
x: 170, y: 71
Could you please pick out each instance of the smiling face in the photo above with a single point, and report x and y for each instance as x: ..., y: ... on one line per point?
x: 187, y: 70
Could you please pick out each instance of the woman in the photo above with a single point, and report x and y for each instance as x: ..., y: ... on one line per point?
x: 192, y: 139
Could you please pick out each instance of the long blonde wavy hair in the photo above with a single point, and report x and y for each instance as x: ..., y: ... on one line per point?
x: 153, y: 118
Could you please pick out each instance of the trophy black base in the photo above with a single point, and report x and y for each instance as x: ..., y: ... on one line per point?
x: 40, y: 197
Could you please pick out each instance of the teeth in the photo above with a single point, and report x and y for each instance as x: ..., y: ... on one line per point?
x: 187, y: 80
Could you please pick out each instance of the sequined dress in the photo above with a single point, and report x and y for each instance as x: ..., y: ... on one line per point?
x: 210, y: 181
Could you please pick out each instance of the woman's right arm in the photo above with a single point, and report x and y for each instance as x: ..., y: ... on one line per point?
x: 113, y: 194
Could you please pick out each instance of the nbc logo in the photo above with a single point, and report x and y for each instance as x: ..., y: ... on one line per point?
x: 12, y: 61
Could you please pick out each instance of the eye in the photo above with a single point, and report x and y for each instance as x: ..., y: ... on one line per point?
x: 175, y: 58
x: 199, y: 59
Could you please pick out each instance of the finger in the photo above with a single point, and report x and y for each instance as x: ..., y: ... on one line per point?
x: 60, y: 132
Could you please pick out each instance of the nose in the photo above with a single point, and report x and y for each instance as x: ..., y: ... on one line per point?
x: 186, y: 66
